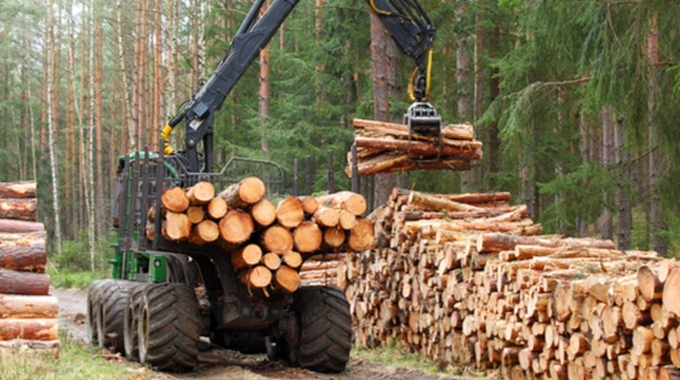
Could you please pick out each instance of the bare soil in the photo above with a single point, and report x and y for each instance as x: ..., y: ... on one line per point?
x: 219, y: 364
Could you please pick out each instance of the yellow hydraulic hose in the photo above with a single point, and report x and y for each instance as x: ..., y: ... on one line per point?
x: 428, y: 77
x: 165, y: 135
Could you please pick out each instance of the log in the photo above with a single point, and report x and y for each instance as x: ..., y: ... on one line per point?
x: 19, y: 226
x: 326, y: 217
x: 292, y: 259
x: 176, y: 227
x: 30, y: 348
x: 257, y: 277
x: 25, y: 209
x: 361, y: 236
x: 671, y: 293
x: 175, y: 200
x: 307, y: 237
x: 649, y: 286
x: 25, y: 251
x: 289, y: 212
x: 195, y: 214
x: 434, y: 202
x: 287, y: 278
x: 422, y: 149
x: 247, y: 192
x: 249, y: 255
x: 271, y: 260
x: 309, y: 204
x: 236, y: 227
x: 205, y: 232
x: 347, y: 220
x: 22, y: 189
x: 264, y: 213
x: 216, y: 208
x: 345, y: 200
x: 277, y: 239
x: 44, y: 329
x: 26, y: 283
x: 334, y: 237
x: 21, y: 306
x: 201, y: 193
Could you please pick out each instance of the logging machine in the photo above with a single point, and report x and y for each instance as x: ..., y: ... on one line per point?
x: 166, y: 298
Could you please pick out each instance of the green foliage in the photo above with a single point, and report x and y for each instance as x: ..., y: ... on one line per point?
x: 75, y: 255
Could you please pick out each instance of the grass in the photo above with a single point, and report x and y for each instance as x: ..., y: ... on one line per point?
x: 75, y: 362
x: 394, y: 354
x: 67, y: 279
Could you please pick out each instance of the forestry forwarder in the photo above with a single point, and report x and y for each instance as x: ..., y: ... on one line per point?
x: 164, y: 295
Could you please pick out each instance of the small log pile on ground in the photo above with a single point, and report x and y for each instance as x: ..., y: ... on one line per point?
x: 267, y: 242
x: 467, y: 279
x: 28, y: 314
x: 384, y: 147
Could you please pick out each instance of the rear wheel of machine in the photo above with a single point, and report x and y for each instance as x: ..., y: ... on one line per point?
x: 325, y: 329
x: 94, y: 297
x: 131, y: 319
x: 168, y: 327
x: 111, y: 313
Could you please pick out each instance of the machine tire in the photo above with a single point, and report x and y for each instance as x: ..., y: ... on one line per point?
x: 325, y: 329
x: 111, y: 314
x: 168, y: 328
x: 131, y: 319
x: 94, y: 297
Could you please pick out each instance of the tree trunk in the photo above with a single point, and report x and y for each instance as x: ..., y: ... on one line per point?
x: 52, y: 141
x: 606, y: 220
x: 624, y: 216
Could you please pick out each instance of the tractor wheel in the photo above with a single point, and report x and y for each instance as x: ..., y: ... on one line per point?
x: 325, y: 329
x: 94, y: 297
x: 168, y: 327
x: 131, y: 320
x: 111, y: 314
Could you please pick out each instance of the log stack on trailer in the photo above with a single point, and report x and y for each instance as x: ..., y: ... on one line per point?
x: 28, y: 314
x: 468, y: 279
x: 268, y: 243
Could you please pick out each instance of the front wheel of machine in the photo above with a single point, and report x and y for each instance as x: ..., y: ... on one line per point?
x: 168, y: 327
x: 325, y: 329
x: 94, y: 298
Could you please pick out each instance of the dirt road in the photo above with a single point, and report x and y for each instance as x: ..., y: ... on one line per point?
x: 218, y: 364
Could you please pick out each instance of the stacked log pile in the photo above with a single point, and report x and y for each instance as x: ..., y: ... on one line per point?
x: 468, y: 279
x: 267, y: 243
x: 384, y: 147
x: 28, y: 314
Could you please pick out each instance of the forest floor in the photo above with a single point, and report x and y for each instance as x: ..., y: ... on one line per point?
x: 219, y: 364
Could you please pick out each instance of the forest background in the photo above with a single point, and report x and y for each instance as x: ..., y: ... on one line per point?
x: 576, y: 103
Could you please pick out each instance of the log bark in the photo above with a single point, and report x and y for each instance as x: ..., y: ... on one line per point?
x: 31, y: 348
x: 249, y: 255
x: 176, y: 226
x: 287, y: 278
x: 216, y: 209
x: 18, y: 226
x: 236, y: 227
x: 21, y: 306
x: 23, y: 189
x: 175, y: 200
x: 26, y: 283
x: 43, y: 329
x: 277, y: 239
x: 247, y: 192
x: 307, y: 237
x: 345, y: 200
x: 25, y: 251
x: 431, y: 201
x: 451, y: 131
x: 201, y: 193
x: 289, y: 212
x: 418, y: 148
x: 264, y: 213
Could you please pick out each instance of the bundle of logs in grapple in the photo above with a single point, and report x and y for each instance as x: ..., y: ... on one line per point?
x: 267, y: 243
x: 468, y: 280
x: 385, y: 147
